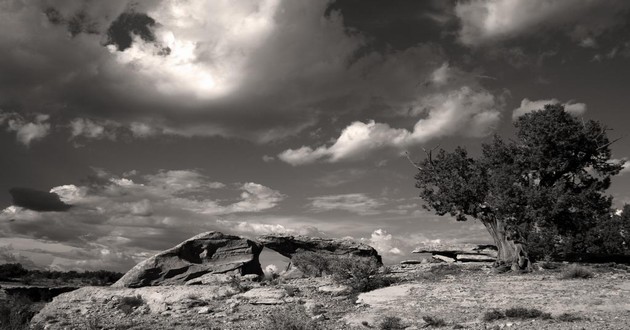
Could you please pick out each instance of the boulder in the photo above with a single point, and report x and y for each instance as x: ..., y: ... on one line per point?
x: 288, y: 245
x: 207, y: 253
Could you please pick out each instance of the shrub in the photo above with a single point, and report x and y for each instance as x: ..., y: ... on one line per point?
x: 568, y: 317
x: 361, y: 274
x: 526, y: 313
x: 128, y: 304
x: 311, y: 263
x: 290, y: 317
x: 17, y: 312
x: 434, y: 321
x: 14, y: 270
x: 493, y: 315
x: 391, y: 323
x: 576, y: 271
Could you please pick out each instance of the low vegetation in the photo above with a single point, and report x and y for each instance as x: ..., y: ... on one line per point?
x: 521, y: 313
x: 15, y: 272
x: 391, y: 323
x: 290, y: 317
x: 128, y: 304
x: 434, y: 322
x: 17, y: 312
x: 577, y: 272
x: 360, y: 274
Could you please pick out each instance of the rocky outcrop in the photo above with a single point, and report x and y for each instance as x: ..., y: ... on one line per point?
x: 207, y: 253
x: 288, y: 245
x: 460, y: 252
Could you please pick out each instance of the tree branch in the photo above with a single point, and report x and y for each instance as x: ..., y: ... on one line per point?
x: 412, y: 162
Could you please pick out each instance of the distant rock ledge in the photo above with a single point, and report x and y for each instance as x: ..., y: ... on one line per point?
x: 460, y: 252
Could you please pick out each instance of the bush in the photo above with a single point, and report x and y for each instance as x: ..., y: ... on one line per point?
x: 8, y: 271
x: 434, y: 321
x: 290, y: 317
x: 493, y: 315
x: 17, y: 312
x: 311, y: 263
x: 361, y: 274
x: 515, y: 313
x: 128, y: 304
x: 391, y: 323
x: 576, y: 271
x: 568, y: 317
x: 526, y: 313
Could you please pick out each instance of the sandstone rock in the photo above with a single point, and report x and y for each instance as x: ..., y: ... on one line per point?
x: 443, y: 258
x: 207, y: 253
x: 411, y: 262
x: 475, y: 258
x: 288, y: 245
x: 335, y: 290
x: 452, y: 250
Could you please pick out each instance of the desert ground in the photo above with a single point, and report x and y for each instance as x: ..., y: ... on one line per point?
x: 457, y: 296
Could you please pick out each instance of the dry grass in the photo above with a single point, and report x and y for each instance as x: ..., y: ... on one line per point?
x: 576, y: 272
x: 290, y: 317
x: 391, y: 323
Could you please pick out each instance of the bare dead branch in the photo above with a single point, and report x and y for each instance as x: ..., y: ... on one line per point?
x: 411, y: 161
x: 610, y: 143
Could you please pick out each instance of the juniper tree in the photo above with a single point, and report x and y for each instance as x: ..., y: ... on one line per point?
x: 551, y: 177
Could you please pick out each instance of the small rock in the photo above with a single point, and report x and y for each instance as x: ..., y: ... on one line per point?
x: 204, y: 310
x: 335, y: 290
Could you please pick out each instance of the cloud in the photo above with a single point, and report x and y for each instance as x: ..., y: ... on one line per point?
x: 384, y: 243
x: 528, y: 106
x: 205, y: 72
x: 26, y: 131
x: 36, y: 200
x: 130, y: 216
x: 484, y: 21
x: 460, y: 112
x: 341, y: 177
x: 89, y: 129
x: 354, y: 203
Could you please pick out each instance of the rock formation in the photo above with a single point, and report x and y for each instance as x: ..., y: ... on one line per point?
x: 288, y: 245
x: 460, y: 252
x: 207, y: 253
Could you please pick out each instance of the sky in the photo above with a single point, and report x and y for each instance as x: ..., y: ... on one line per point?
x: 127, y: 127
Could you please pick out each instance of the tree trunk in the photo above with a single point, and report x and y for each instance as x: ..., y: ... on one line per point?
x: 512, y: 247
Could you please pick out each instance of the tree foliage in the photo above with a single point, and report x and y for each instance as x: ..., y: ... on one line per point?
x: 549, y: 180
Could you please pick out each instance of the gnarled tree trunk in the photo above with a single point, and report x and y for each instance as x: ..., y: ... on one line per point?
x: 511, y: 245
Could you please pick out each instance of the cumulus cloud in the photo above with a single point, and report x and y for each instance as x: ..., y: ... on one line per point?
x: 26, y: 131
x: 484, y: 21
x: 116, y: 218
x: 93, y: 129
x: 354, y: 203
x: 203, y: 68
x: 460, y: 112
x: 384, y: 243
x: 528, y: 106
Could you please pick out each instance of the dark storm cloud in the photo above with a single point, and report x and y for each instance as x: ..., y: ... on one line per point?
x: 37, y: 200
x: 259, y: 71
